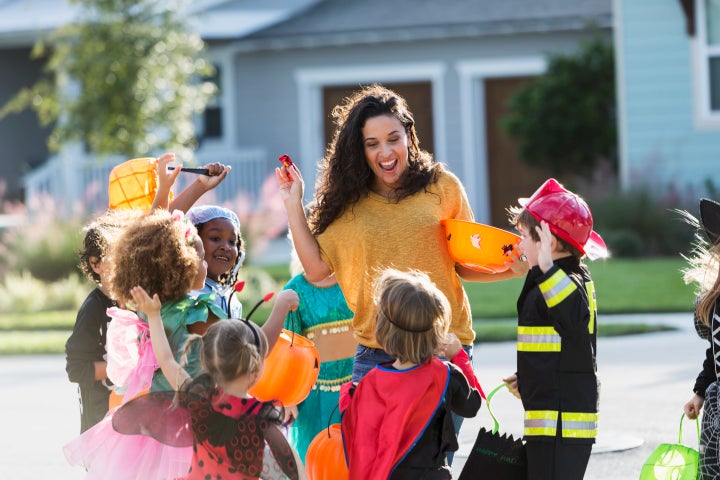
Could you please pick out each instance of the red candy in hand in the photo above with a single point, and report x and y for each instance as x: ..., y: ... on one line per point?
x: 287, y: 163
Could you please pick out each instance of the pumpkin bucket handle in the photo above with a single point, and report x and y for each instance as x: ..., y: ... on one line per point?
x: 295, y: 319
x: 330, y: 419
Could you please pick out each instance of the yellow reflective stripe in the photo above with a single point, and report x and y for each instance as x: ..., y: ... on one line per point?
x: 538, y: 339
x: 557, y: 288
x: 579, y: 425
x: 541, y: 422
x: 592, y: 300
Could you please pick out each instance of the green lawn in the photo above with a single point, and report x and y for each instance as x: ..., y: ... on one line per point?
x: 623, y: 286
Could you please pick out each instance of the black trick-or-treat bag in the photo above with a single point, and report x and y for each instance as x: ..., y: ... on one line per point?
x: 500, y: 457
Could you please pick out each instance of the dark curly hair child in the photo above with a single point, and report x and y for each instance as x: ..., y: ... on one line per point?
x: 163, y: 253
x: 85, y: 360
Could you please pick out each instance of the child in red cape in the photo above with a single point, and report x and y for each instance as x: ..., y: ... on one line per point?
x: 396, y: 422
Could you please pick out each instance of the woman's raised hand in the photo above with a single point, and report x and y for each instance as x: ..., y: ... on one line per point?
x: 290, y: 182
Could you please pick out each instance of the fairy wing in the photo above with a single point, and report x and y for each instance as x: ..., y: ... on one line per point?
x: 247, y: 438
x: 281, y: 451
x: 160, y: 415
x: 178, y: 418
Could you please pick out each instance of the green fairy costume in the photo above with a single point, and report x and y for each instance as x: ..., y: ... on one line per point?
x: 177, y: 316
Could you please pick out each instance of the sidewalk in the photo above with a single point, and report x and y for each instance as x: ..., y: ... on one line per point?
x: 646, y: 379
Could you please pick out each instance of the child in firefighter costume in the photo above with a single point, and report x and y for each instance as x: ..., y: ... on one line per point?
x: 557, y: 322
x: 396, y: 422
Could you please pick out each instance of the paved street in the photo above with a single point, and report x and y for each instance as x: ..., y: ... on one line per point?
x: 645, y: 381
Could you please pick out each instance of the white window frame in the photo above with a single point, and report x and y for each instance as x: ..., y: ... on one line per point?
x: 705, y: 118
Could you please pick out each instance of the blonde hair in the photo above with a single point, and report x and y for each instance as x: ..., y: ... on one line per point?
x: 413, y: 315
x: 229, y: 349
x: 703, y: 270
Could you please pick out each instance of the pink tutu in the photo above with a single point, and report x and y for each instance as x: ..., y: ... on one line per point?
x: 130, y: 358
x: 109, y: 455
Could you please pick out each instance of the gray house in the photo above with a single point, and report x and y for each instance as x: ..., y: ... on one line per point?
x: 456, y: 62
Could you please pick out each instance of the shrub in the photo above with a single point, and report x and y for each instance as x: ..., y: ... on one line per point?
x: 21, y: 292
x: 638, y: 223
x: 44, y: 243
x: 565, y: 118
x: 624, y: 243
x: 48, y: 252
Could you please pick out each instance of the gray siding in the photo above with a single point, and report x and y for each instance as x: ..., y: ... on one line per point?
x: 267, y: 89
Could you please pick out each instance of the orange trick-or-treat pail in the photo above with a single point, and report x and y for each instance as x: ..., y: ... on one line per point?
x: 290, y: 370
x: 133, y: 184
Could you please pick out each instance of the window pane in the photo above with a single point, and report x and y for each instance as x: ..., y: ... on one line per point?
x: 213, y: 123
x: 712, y: 10
x: 714, y: 80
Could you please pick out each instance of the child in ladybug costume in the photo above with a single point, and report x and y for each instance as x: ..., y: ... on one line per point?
x: 556, y: 375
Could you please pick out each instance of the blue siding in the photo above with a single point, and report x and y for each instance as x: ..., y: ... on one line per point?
x: 663, y: 146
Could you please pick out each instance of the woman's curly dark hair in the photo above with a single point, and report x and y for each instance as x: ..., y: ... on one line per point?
x: 156, y: 252
x: 344, y: 176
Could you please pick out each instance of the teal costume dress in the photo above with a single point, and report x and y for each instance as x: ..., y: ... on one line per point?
x: 319, y: 309
x: 176, y: 317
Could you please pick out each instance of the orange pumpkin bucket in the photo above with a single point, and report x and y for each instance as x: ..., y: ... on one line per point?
x: 325, y: 457
x: 478, y: 246
x: 116, y: 399
x: 133, y: 184
x: 290, y: 371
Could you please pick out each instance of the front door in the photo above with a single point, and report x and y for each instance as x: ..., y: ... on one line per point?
x: 508, y: 176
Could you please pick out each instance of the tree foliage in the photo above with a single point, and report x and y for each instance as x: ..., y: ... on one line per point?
x: 125, y: 78
x: 565, y: 119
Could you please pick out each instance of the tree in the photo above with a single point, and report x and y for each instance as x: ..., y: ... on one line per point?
x: 125, y: 78
x: 565, y: 119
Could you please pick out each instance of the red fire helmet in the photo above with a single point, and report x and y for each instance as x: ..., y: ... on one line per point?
x: 568, y: 217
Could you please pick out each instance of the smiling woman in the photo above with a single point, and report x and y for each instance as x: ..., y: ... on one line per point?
x: 379, y: 190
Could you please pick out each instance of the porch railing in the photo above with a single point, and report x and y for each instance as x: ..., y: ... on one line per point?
x: 77, y: 184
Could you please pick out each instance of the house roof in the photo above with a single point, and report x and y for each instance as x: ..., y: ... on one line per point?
x: 341, y: 22
x: 23, y: 21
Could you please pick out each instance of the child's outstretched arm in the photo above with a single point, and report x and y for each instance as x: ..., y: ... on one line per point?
x: 452, y: 349
x: 285, y: 301
x: 172, y: 370
x: 203, y: 183
x: 166, y: 179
